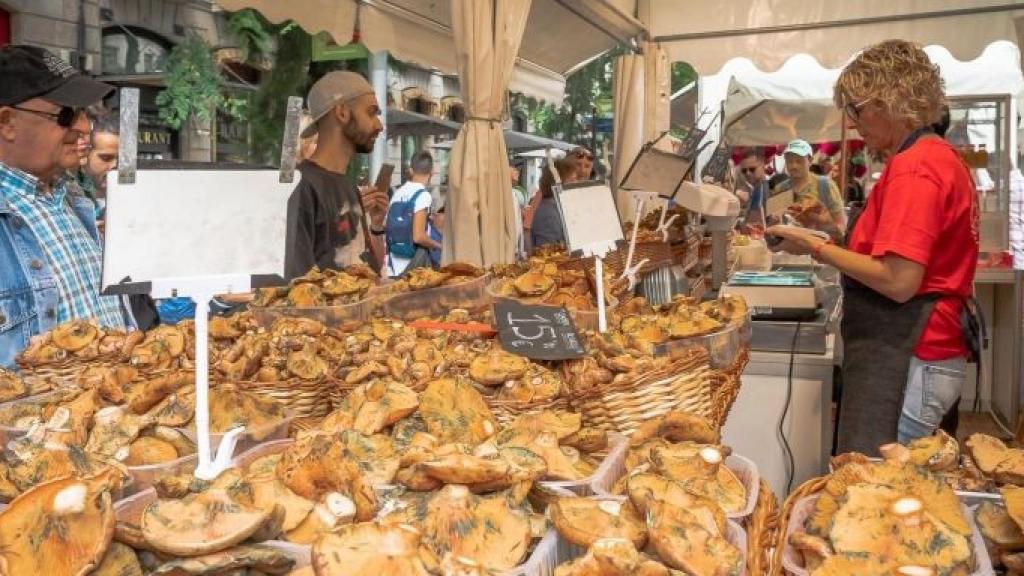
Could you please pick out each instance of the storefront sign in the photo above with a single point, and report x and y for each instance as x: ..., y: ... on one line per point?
x: 537, y: 332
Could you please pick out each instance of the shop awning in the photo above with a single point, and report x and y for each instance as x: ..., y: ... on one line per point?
x: 520, y: 142
x: 560, y: 35
x: 771, y: 108
x: 405, y: 123
x: 707, y: 33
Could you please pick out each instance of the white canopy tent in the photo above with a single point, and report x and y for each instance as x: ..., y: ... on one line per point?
x: 768, y: 32
x: 560, y: 35
x: 770, y: 108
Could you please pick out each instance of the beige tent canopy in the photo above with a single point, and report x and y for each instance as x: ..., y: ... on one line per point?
x: 708, y: 34
x: 560, y: 35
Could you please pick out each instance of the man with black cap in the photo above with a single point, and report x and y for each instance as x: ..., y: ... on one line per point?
x: 50, y: 254
x: 331, y: 224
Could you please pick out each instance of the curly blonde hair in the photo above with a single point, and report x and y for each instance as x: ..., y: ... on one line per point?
x: 898, y: 76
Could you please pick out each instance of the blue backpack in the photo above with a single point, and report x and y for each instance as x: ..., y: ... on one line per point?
x: 399, y: 227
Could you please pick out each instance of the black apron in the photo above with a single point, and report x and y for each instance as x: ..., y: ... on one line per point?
x: 879, y: 336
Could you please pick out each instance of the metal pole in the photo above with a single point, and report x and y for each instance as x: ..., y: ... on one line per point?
x: 379, y: 81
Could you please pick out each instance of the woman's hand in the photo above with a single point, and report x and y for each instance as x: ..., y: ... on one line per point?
x: 795, y: 240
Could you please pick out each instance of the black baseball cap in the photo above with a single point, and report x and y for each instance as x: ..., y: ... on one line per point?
x: 33, y: 72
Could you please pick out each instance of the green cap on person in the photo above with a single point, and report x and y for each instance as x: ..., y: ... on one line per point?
x: 799, y: 147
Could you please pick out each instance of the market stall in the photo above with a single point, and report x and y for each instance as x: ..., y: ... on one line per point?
x: 768, y: 108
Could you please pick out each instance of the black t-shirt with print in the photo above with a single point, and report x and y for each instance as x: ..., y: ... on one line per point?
x: 324, y: 222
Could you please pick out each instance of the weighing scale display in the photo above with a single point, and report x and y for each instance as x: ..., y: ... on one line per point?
x: 798, y: 279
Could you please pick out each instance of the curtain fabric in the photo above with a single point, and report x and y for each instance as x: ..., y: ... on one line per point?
x: 628, y: 93
x: 481, y: 210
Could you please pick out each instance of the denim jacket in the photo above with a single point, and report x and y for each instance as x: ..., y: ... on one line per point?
x: 28, y: 287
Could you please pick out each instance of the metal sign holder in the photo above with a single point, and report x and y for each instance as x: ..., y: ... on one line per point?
x: 201, y: 289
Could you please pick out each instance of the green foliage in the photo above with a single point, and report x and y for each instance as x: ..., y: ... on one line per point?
x: 251, y: 32
x: 289, y: 77
x: 682, y: 75
x: 585, y: 89
x: 193, y: 85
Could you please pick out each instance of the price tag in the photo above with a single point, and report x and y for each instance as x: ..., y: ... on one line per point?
x: 537, y: 332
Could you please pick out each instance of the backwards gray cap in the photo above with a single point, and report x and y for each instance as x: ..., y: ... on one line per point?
x: 335, y: 87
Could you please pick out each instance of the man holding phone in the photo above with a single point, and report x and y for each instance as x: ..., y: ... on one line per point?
x: 331, y: 224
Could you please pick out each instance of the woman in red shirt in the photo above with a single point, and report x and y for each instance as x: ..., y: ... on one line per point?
x: 910, y: 255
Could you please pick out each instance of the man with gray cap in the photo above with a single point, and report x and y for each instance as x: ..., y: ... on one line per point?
x: 326, y: 218
x: 50, y: 253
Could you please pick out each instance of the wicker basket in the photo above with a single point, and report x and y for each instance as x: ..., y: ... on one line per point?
x: 727, y: 388
x: 657, y: 254
x: 506, y: 411
x: 686, y: 383
x: 762, y: 531
x: 60, y: 375
x: 301, y: 398
x: 812, y: 487
x: 303, y: 425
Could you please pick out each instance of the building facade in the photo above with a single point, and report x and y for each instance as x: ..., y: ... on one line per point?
x: 125, y: 43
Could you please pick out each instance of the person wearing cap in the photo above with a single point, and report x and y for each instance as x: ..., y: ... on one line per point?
x: 331, y: 223
x: 50, y: 253
x: 820, y: 204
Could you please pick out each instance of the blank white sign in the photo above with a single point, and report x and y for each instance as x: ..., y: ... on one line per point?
x: 590, y: 217
x: 194, y: 223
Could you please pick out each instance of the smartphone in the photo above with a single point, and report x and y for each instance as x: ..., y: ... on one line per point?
x: 383, y: 182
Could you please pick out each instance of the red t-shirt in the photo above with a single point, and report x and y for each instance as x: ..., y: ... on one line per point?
x: 924, y: 208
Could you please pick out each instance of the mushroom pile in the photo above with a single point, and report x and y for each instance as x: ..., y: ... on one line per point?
x: 320, y: 288
x: 880, y: 517
x: 113, y: 416
x: 672, y: 510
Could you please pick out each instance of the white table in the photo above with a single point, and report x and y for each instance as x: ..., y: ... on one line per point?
x: 752, y: 426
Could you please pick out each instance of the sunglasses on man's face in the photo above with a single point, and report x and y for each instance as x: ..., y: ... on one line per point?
x: 64, y: 117
x: 750, y: 170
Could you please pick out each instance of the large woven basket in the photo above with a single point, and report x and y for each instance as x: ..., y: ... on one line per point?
x: 686, y: 383
x: 506, y: 411
x: 657, y: 254
x: 727, y: 388
x: 762, y: 531
x: 301, y: 398
x: 51, y: 377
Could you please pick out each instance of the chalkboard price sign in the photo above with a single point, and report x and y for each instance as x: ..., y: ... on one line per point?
x: 538, y: 332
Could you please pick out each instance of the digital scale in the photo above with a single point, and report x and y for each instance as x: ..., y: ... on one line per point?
x: 776, y: 295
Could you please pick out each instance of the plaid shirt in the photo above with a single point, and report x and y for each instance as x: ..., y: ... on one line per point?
x: 75, y: 258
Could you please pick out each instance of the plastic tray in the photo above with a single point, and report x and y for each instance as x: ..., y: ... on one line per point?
x: 792, y: 561
x: 608, y: 472
x: 345, y: 317
x: 744, y: 469
x: 130, y: 510
x: 243, y: 460
x: 553, y: 551
x: 251, y: 437
x: 143, y: 477
x: 8, y: 433
x: 435, y: 302
x: 723, y: 346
